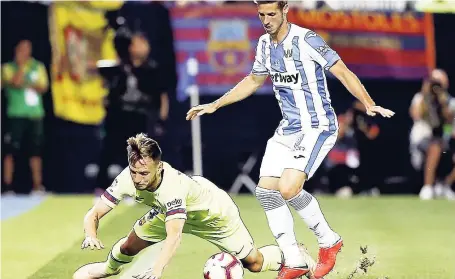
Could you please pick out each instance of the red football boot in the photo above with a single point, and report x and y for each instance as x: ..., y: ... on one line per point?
x: 292, y: 272
x: 327, y: 258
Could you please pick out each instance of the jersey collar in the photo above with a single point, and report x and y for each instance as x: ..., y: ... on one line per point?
x: 289, y: 30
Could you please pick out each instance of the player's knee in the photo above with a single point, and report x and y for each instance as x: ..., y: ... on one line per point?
x: 254, y: 261
x: 291, y: 184
x: 129, y: 249
x: 288, y: 189
x: 133, y: 245
x: 254, y: 265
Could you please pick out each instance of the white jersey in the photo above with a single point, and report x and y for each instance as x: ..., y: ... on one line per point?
x: 296, y: 67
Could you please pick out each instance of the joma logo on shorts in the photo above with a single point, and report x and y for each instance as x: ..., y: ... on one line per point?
x: 278, y: 77
x: 176, y: 202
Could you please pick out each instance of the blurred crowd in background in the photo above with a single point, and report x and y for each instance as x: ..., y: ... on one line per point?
x: 79, y: 78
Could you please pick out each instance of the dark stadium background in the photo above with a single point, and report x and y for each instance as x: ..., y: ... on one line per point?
x: 246, y: 126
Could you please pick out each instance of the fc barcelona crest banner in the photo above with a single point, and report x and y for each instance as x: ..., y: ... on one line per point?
x: 223, y: 40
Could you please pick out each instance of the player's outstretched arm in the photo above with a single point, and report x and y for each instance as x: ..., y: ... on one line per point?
x: 174, y: 231
x: 91, y: 223
x: 242, y: 90
x: 353, y: 85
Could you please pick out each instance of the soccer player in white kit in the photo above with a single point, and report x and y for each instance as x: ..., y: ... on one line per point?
x: 295, y: 59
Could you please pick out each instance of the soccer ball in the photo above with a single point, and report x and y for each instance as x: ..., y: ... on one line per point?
x: 223, y: 266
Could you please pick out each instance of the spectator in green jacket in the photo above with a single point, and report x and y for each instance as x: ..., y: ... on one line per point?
x: 25, y: 80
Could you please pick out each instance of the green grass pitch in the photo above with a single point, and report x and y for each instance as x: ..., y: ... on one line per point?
x: 409, y: 238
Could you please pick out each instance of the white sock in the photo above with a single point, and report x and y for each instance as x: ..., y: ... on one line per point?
x: 281, y: 224
x: 308, y: 208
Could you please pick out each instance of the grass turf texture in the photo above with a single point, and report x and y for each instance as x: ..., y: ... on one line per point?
x: 409, y: 238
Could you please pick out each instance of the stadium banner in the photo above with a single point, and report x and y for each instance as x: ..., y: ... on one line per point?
x: 223, y: 39
x: 79, y: 38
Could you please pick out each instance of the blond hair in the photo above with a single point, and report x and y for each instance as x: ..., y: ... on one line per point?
x: 141, y: 147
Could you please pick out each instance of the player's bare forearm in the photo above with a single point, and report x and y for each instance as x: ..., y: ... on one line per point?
x: 169, y: 248
x: 91, y: 223
x: 242, y: 90
x: 93, y: 216
x: 352, y: 83
x: 174, y: 230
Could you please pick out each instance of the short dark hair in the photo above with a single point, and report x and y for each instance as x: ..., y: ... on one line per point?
x: 281, y: 4
x: 141, y: 146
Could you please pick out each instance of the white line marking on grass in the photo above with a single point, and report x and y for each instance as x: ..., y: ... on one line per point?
x: 13, y: 206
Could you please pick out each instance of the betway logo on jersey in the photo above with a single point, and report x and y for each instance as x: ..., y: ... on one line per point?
x: 283, y: 78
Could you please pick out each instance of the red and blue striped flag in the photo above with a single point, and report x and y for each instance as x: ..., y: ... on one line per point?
x: 373, y: 44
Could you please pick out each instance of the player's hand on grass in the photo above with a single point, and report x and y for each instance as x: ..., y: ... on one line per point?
x: 148, y: 274
x: 200, y: 110
x: 373, y: 110
x: 92, y: 242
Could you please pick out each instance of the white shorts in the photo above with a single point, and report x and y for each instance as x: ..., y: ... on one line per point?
x: 303, y: 151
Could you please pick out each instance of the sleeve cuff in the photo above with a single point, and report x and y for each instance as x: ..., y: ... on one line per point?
x: 332, y: 61
x: 110, y: 200
x: 260, y: 73
x: 178, y: 213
